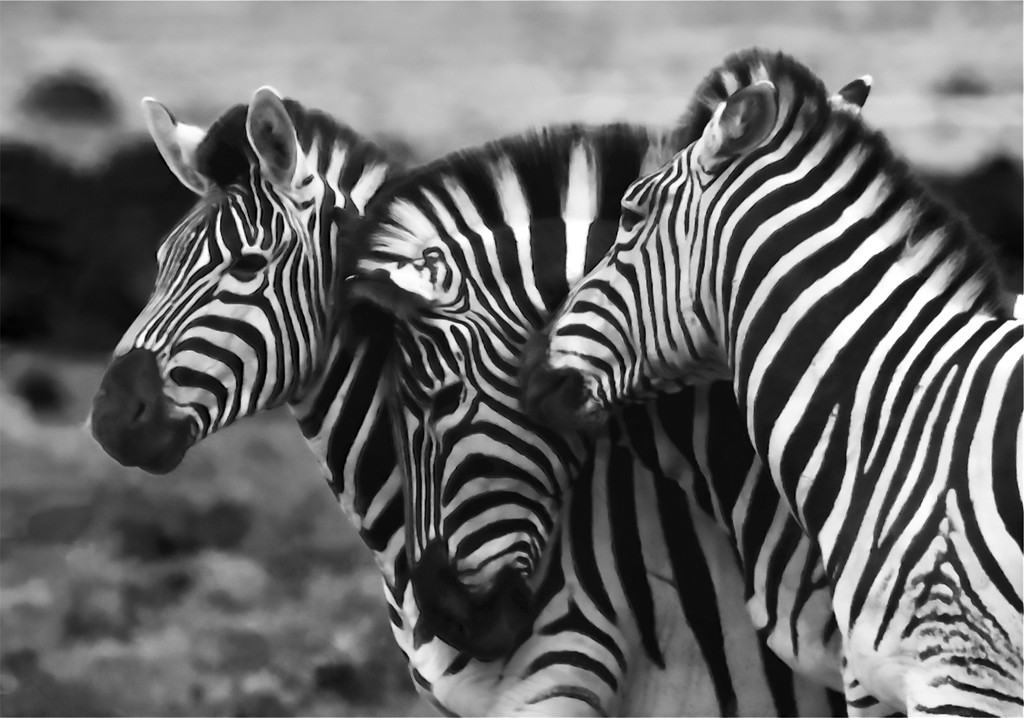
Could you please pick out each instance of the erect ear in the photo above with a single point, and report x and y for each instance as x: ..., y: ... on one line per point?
x: 740, y: 123
x: 272, y: 136
x: 177, y: 143
x: 853, y: 94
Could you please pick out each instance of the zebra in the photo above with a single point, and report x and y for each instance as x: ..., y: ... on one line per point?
x: 878, y: 367
x: 469, y: 254
x: 246, y: 315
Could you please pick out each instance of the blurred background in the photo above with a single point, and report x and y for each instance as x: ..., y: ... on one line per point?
x: 234, y: 585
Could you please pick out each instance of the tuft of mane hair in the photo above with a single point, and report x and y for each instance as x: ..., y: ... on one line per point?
x: 540, y: 162
x: 968, y: 255
x: 226, y: 157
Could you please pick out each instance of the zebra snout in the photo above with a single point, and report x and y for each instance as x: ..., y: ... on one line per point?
x: 558, y: 397
x: 487, y: 626
x: 130, y: 419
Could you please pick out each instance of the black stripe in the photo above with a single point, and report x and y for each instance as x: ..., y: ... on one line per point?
x: 978, y: 690
x: 695, y: 588
x: 574, y: 622
x: 575, y: 659
x: 582, y: 541
x: 355, y: 409
x: 628, y: 551
x: 780, y: 682
x: 388, y: 522
x: 948, y: 709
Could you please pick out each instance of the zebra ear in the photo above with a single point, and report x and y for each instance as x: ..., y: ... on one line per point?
x: 177, y: 143
x: 740, y: 124
x: 272, y: 136
x: 853, y: 95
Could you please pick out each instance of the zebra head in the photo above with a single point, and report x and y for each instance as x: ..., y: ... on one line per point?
x: 469, y: 255
x: 483, y: 483
x: 641, y: 322
x: 243, y: 304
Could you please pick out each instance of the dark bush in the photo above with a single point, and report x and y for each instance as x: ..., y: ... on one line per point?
x: 39, y: 197
x: 43, y: 392
x: 70, y: 95
x: 79, y: 251
x: 990, y: 196
x: 963, y: 82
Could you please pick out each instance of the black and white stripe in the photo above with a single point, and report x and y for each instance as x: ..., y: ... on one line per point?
x: 877, y: 364
x: 471, y: 254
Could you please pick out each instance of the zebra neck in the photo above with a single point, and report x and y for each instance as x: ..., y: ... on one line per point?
x: 344, y: 417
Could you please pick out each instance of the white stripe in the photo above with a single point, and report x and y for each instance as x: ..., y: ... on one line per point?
x: 580, y: 210
x: 517, y: 216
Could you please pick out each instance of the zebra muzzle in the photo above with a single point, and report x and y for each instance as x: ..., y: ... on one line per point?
x: 557, y: 397
x: 130, y: 416
x: 486, y: 625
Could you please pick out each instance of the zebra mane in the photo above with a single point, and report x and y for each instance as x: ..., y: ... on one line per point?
x: 225, y: 157
x: 539, y: 161
x: 946, y: 229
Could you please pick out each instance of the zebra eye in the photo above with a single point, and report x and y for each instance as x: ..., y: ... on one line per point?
x: 247, y: 266
x: 446, y: 401
x: 630, y: 218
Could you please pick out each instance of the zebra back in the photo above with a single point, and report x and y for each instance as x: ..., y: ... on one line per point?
x: 871, y: 350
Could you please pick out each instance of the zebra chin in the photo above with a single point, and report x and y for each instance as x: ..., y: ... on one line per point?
x: 131, y: 418
x: 486, y: 626
x: 561, y: 397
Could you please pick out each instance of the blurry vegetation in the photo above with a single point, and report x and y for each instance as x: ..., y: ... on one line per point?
x: 228, y: 590
x: 991, y: 196
x: 70, y: 96
x: 79, y: 231
x: 235, y: 586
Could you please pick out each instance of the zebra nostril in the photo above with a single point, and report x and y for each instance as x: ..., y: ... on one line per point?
x: 130, y: 392
x: 138, y: 415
